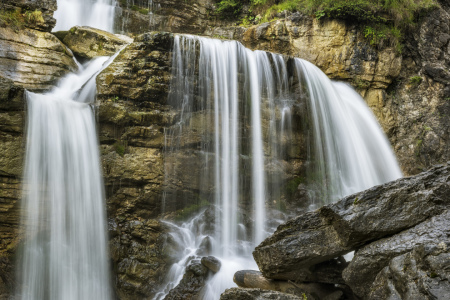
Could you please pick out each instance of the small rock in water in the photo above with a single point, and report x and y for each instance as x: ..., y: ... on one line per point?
x: 205, y: 247
x: 211, y: 263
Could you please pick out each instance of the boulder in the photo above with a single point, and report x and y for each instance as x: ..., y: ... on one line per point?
x: 193, y: 281
x: 413, y: 258
x: 33, y: 59
x: 211, y: 263
x: 258, y: 294
x: 254, y: 279
x: 344, y: 226
x: 88, y: 42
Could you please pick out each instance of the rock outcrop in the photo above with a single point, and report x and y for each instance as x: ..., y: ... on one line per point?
x: 257, y: 294
x: 88, y: 42
x: 399, y: 231
x: 11, y: 160
x: 43, y: 8
x: 132, y: 114
x: 33, y: 59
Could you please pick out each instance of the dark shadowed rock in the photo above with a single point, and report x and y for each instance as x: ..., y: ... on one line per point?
x: 403, y: 259
x: 338, y: 228
x: 257, y: 294
x: 193, y: 281
x: 254, y: 279
x: 211, y: 263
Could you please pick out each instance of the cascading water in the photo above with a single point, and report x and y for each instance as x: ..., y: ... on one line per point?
x: 65, y: 250
x: 239, y: 112
x: 95, y: 13
x: 351, y: 152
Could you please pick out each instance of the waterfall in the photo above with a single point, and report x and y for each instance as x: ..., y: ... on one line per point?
x: 237, y: 133
x: 65, y: 250
x: 351, y: 152
x: 95, y: 13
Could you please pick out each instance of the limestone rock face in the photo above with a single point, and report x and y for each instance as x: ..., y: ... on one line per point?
x: 338, y: 228
x: 418, y: 100
x: 46, y: 7
x: 88, y: 42
x: 33, y: 59
x: 141, y: 251
x: 168, y: 15
x: 131, y: 96
x: 11, y: 161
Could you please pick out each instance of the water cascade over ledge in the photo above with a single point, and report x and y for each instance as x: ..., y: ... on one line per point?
x: 249, y: 123
x: 65, y: 251
x: 95, y: 13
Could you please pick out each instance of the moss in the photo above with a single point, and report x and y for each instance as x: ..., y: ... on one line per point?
x: 144, y: 11
x: 433, y: 275
x: 120, y: 148
x: 415, y: 80
x: 12, y: 18
x: 187, y: 212
x: 292, y: 185
x: 355, y: 202
x: 34, y: 17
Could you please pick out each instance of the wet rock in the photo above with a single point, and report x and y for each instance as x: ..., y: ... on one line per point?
x: 404, y: 262
x: 420, y: 274
x: 33, y: 59
x: 88, y: 42
x: 205, y: 247
x: 193, y: 281
x: 255, y: 279
x: 211, y: 263
x: 141, y: 255
x: 258, y: 294
x: 338, y: 228
x: 141, y: 72
x: 11, y: 165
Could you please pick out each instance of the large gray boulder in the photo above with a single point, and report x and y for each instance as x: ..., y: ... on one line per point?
x: 256, y: 294
x: 356, y: 220
x: 416, y: 257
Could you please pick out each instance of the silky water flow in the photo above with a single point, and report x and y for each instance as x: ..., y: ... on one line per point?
x: 65, y: 253
x: 236, y: 122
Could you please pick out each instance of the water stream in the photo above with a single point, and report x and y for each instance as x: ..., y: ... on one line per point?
x: 65, y: 251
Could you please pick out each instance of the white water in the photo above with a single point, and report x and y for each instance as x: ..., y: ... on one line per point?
x: 94, y: 13
x: 65, y: 250
x: 351, y: 151
x: 239, y: 89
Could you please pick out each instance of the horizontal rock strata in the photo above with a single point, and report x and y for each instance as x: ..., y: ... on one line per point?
x: 33, y: 59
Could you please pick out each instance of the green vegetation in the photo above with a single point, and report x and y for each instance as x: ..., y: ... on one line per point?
x: 383, y: 21
x: 16, y: 19
x: 187, y: 212
x: 355, y: 202
x: 292, y: 185
x: 415, y: 80
x: 120, y: 148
